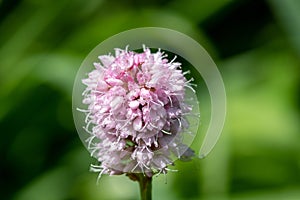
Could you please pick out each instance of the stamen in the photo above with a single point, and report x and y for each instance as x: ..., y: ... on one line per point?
x: 135, y: 166
x: 82, y: 110
x: 171, y: 102
x: 192, y: 79
x: 99, y: 176
x: 171, y: 170
x: 88, y: 124
x: 166, y: 132
x: 89, y: 140
x: 173, y: 59
x: 87, y: 130
x: 153, y: 126
x: 179, y: 121
x: 87, y: 117
x: 94, y: 151
x: 186, y: 72
x: 188, y: 86
x: 146, y: 124
x: 156, y: 141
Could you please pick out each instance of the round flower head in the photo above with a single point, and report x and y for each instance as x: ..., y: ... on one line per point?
x: 136, y: 112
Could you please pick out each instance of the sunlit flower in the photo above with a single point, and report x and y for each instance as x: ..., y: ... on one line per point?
x: 136, y: 112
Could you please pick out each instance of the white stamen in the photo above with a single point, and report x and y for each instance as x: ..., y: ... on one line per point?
x: 166, y: 132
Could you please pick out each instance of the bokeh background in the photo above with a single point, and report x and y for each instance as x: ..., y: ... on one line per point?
x: 256, y: 45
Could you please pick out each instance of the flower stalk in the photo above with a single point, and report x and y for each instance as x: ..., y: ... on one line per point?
x: 145, y: 184
x: 145, y: 187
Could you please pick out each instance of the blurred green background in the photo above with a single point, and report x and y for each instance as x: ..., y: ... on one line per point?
x: 256, y: 45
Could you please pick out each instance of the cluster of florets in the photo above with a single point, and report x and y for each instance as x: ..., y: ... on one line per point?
x: 136, y: 112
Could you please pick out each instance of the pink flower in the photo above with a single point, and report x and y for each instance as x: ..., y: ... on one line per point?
x: 136, y: 112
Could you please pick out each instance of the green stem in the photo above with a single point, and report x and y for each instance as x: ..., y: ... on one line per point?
x: 145, y: 184
x: 145, y: 187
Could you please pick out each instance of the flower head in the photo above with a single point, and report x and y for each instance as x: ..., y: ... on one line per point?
x: 136, y: 112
